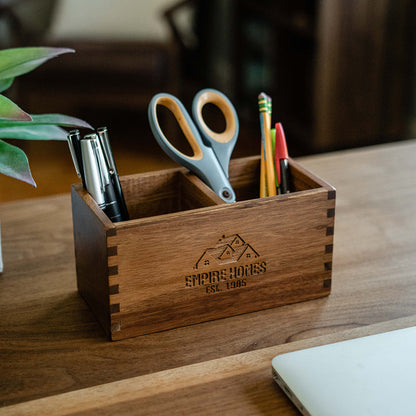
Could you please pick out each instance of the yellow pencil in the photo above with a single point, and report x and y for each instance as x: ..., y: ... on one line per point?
x: 263, y: 190
x: 265, y: 123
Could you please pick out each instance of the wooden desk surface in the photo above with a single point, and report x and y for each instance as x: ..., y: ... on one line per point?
x: 51, y: 344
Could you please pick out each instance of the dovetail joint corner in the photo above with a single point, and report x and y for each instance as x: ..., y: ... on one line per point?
x: 114, y: 290
x: 329, y: 248
x: 115, y: 308
x: 113, y: 270
x: 327, y: 283
x: 111, y: 251
x: 330, y: 213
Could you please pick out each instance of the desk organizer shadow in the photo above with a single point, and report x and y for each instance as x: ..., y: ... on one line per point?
x: 187, y: 257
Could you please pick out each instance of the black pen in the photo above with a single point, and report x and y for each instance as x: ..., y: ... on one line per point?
x: 108, y: 154
x: 74, y: 144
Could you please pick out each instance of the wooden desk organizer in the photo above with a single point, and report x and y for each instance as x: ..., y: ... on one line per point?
x: 187, y: 257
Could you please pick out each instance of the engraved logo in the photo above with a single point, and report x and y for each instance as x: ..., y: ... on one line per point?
x: 227, y: 250
x: 226, y: 265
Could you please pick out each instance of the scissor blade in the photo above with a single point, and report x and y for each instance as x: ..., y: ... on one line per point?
x: 222, y: 151
x: 209, y: 170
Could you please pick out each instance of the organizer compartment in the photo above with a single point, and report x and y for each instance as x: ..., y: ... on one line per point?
x: 187, y: 257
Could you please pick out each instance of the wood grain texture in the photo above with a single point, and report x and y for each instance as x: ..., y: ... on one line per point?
x: 91, y: 252
x: 165, y: 191
x: 236, y: 385
x: 186, y: 267
x: 50, y: 343
x: 98, y: 273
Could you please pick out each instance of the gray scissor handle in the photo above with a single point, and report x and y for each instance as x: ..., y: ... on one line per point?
x: 222, y: 143
x: 203, y: 162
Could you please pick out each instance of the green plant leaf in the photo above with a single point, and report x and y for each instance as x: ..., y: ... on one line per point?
x: 33, y: 132
x: 10, y: 111
x: 14, y: 163
x: 6, y: 83
x: 18, y: 61
x: 53, y: 119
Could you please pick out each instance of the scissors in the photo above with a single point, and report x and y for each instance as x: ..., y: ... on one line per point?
x: 212, y: 151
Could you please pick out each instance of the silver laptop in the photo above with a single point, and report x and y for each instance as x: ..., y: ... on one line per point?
x: 373, y: 375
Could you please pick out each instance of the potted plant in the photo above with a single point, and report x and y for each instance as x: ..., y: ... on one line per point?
x: 15, y: 123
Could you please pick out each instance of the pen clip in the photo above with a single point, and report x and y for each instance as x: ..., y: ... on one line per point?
x: 102, y: 133
x: 74, y: 145
x: 99, y: 156
x: 102, y: 166
x: 71, y: 138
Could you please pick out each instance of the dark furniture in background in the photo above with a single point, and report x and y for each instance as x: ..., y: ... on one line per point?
x: 103, y: 81
x: 24, y: 22
x: 339, y: 72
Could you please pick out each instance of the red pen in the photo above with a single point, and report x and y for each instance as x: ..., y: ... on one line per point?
x: 281, y: 159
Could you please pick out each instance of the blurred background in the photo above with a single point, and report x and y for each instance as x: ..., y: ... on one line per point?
x: 341, y: 73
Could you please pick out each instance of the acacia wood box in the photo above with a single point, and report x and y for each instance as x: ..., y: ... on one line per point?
x: 186, y: 257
